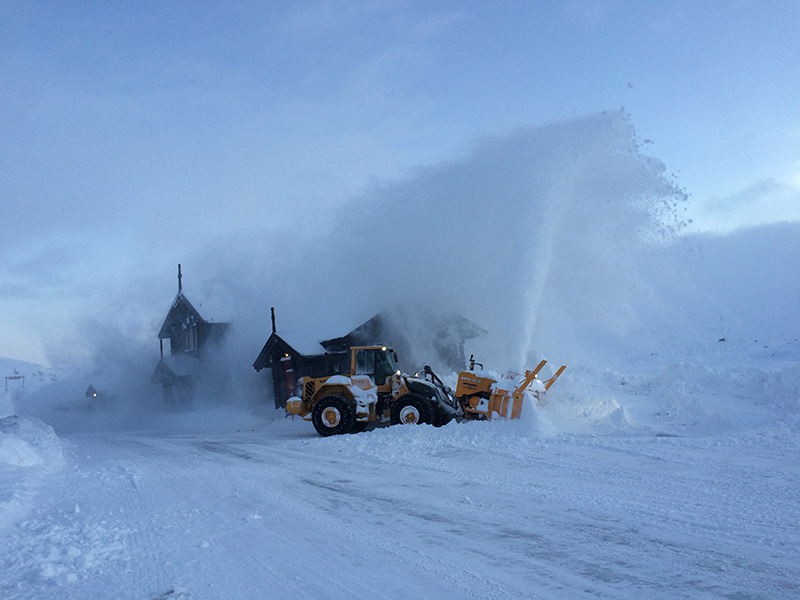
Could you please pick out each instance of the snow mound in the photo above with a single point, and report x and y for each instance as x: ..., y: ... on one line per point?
x: 605, y: 410
x: 30, y: 451
x: 27, y: 441
x: 681, y: 398
x: 16, y: 451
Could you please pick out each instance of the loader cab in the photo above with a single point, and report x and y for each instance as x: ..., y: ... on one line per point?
x: 379, y: 362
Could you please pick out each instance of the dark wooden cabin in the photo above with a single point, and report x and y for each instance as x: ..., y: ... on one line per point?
x: 288, y: 366
x: 443, y: 347
x: 186, y: 341
x: 419, y: 337
x: 291, y: 360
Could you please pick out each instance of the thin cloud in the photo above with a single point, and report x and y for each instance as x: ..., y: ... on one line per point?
x: 767, y: 200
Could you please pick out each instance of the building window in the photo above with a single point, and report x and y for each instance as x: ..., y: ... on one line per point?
x: 190, y: 335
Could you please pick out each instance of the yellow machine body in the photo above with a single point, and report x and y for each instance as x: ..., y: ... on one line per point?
x: 483, y: 397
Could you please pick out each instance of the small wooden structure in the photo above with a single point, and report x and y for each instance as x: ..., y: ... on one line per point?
x: 189, y: 339
x: 289, y: 361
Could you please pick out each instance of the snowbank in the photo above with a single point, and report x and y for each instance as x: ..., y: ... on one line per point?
x: 30, y: 451
x: 27, y: 441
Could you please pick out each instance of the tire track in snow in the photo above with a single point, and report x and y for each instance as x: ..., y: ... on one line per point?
x: 644, y: 515
x: 295, y: 575
x: 380, y: 517
x: 632, y: 505
x: 662, y: 516
x: 147, y: 575
x: 80, y: 537
x: 423, y: 513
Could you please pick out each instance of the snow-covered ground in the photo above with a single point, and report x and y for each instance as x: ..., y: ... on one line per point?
x: 676, y: 477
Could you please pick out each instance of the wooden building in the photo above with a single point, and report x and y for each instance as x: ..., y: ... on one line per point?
x: 289, y: 358
x: 420, y: 337
x: 186, y: 341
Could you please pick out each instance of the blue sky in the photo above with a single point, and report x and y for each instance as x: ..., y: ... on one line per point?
x: 120, y: 120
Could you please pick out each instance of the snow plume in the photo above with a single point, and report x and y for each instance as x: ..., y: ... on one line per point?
x: 550, y: 238
x: 537, y: 236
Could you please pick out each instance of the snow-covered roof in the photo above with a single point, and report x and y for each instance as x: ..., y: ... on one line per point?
x: 179, y: 365
x: 182, y: 304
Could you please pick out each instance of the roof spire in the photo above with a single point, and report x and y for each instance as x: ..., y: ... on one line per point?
x: 180, y: 285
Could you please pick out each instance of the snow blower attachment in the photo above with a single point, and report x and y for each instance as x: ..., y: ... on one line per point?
x: 481, y: 397
x: 374, y: 392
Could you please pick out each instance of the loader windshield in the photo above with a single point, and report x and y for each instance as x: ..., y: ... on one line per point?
x: 378, y: 363
x: 384, y: 365
x: 391, y: 359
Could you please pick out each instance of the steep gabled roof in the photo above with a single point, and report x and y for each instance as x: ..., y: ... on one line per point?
x: 180, y: 309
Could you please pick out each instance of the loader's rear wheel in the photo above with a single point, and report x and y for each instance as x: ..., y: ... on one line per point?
x: 333, y: 415
x: 410, y: 409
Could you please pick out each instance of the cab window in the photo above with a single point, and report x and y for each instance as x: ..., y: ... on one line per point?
x: 365, y: 362
x: 384, y: 365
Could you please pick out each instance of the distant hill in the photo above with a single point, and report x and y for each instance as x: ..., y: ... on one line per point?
x: 18, y: 377
x: 36, y: 376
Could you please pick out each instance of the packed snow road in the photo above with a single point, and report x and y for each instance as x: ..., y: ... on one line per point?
x: 479, y: 510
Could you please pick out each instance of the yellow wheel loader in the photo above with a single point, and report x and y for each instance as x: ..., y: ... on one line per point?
x: 374, y: 392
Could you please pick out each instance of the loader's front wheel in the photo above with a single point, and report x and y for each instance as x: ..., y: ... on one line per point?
x: 333, y: 415
x: 410, y: 409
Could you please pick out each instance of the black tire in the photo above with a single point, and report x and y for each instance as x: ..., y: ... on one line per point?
x: 410, y: 409
x: 333, y: 415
